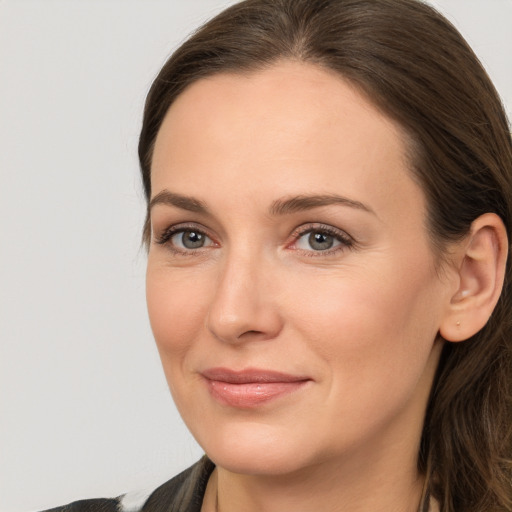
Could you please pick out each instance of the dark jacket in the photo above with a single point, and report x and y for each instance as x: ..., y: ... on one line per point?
x: 183, y: 493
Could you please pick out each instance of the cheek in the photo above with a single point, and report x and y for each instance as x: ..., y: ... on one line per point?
x: 373, y: 325
x: 375, y: 341
x: 177, y: 304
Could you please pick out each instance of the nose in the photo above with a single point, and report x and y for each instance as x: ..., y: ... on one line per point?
x: 244, y: 304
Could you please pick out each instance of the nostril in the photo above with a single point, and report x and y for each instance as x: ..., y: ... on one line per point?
x: 249, y: 333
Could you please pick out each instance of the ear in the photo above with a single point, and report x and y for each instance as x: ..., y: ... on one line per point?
x: 481, y: 262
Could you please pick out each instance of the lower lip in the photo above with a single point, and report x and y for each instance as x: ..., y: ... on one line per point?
x: 251, y: 394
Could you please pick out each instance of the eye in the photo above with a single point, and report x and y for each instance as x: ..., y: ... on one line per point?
x: 184, y: 239
x: 189, y: 239
x: 322, y: 239
x: 316, y: 240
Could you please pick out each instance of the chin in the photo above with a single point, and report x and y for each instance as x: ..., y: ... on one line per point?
x: 254, y: 462
x: 256, y: 449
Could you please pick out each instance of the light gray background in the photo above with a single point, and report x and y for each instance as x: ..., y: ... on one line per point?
x: 84, y: 407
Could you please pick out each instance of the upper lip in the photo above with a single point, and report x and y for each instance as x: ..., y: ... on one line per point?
x: 250, y: 375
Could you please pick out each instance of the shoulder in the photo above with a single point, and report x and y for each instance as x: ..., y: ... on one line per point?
x: 183, y: 493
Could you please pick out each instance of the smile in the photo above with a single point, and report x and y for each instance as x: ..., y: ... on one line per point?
x: 252, y: 387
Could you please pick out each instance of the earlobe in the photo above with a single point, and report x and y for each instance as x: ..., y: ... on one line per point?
x: 481, y: 271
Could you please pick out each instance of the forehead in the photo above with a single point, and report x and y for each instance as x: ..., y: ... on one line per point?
x: 286, y: 129
x: 288, y: 96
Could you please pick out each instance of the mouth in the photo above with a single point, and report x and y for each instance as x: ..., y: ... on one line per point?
x: 251, y: 387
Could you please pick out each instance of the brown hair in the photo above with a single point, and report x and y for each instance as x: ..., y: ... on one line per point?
x: 417, y: 68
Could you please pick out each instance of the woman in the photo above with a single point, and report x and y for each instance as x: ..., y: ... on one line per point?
x: 329, y: 212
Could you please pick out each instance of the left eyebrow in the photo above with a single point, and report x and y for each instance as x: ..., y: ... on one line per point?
x: 308, y: 202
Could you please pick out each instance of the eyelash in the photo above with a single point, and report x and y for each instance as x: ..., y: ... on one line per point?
x: 346, y: 241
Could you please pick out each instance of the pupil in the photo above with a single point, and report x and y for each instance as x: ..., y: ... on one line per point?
x: 192, y: 239
x: 320, y: 241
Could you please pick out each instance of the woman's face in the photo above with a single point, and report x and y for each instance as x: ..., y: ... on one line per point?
x: 291, y: 287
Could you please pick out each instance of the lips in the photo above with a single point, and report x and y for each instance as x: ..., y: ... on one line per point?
x: 251, y: 387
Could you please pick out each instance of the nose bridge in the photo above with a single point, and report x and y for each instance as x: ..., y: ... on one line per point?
x: 242, y: 305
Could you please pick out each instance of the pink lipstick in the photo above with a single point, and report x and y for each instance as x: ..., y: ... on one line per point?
x: 251, y: 387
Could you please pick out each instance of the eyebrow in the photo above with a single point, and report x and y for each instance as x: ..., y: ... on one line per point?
x: 179, y: 201
x: 308, y: 202
x: 278, y: 207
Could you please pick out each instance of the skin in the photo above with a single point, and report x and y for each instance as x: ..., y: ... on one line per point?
x: 360, y: 320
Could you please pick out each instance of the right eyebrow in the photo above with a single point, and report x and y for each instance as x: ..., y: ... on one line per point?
x: 179, y: 201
